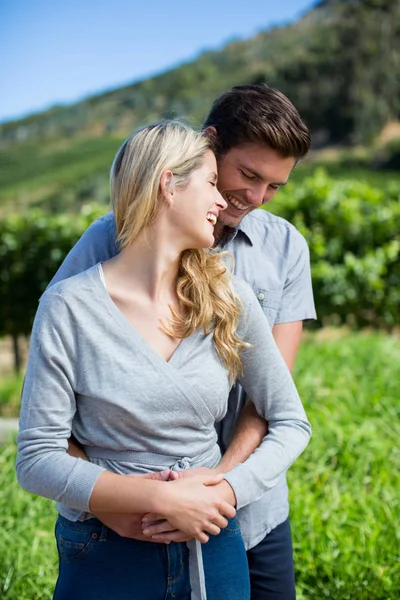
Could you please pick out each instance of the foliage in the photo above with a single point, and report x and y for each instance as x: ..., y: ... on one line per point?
x: 345, y: 78
x: 345, y: 490
x: 353, y: 231
x: 339, y: 63
x: 32, y: 246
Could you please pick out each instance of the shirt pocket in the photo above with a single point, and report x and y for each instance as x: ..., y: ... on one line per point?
x: 269, y: 301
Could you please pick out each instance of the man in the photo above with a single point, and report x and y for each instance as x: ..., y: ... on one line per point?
x: 259, y: 137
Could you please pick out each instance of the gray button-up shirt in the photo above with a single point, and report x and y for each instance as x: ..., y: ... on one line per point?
x: 273, y: 257
x: 270, y: 255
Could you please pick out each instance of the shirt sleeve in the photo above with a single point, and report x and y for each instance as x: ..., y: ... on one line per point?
x: 48, y: 408
x: 267, y: 381
x: 97, y: 244
x: 297, y: 302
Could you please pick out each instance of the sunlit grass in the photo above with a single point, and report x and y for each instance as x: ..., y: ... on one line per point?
x: 345, y: 489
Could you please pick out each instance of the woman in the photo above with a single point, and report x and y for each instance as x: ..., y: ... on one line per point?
x: 135, y: 358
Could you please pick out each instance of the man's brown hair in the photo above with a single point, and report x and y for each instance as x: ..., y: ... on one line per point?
x: 258, y: 114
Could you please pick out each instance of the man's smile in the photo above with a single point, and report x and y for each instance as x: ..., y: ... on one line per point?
x: 235, y: 203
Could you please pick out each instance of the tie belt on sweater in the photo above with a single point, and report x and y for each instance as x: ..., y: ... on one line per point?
x: 150, y: 461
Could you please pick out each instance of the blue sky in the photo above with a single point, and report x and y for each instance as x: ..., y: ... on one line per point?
x: 60, y: 51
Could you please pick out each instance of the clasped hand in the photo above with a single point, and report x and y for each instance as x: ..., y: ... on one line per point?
x: 198, y: 502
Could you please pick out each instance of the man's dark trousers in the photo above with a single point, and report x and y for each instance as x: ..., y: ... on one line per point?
x: 271, y: 566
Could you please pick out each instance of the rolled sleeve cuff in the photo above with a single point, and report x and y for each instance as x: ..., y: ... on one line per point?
x: 292, y: 317
x: 241, y: 481
x: 81, y: 483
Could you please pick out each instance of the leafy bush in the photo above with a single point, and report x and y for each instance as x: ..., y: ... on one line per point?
x: 32, y: 246
x: 353, y: 231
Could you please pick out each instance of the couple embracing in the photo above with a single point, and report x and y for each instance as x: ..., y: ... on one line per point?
x: 158, y: 408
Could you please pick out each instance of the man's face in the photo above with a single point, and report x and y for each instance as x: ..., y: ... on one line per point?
x: 249, y: 176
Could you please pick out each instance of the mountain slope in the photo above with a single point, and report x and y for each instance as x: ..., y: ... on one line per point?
x: 339, y: 64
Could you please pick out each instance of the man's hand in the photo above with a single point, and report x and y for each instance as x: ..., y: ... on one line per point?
x: 75, y: 449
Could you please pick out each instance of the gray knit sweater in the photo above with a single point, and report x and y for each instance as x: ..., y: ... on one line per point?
x: 92, y: 375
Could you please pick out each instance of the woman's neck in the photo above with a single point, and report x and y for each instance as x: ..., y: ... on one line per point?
x: 149, y: 266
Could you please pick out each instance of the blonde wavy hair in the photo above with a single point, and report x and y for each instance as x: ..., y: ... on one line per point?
x: 204, y: 288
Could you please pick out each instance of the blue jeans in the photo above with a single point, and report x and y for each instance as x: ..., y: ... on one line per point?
x: 95, y: 563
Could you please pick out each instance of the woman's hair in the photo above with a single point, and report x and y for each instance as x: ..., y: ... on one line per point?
x: 204, y: 283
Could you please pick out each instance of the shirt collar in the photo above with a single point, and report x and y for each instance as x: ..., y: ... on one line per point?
x: 230, y: 233
x: 245, y: 227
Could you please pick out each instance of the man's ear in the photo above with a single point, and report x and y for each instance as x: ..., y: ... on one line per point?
x: 167, y: 186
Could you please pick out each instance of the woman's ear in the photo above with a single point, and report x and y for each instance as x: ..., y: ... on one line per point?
x: 167, y: 186
x: 211, y: 133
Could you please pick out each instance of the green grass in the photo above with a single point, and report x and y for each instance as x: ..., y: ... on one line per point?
x: 345, y: 490
x: 28, y: 561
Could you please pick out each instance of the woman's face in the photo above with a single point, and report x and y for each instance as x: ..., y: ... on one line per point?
x: 196, y: 207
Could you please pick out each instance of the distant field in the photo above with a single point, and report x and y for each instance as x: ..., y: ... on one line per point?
x: 61, y: 175
x: 58, y: 176
x: 345, y: 490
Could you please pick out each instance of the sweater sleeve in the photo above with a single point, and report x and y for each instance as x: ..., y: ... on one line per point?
x: 48, y: 408
x: 267, y: 381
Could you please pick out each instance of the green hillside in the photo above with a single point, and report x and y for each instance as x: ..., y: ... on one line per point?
x: 339, y: 63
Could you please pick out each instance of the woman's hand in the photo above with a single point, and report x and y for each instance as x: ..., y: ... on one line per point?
x: 194, y: 506
x: 130, y: 524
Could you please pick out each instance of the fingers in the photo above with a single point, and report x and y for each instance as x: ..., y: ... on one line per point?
x: 227, y: 509
x: 213, y: 529
x: 152, y: 517
x: 171, y: 536
x: 220, y: 521
x: 213, y: 479
x: 202, y: 537
x: 160, y: 476
x: 156, y: 528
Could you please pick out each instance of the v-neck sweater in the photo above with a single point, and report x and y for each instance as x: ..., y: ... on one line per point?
x: 90, y: 374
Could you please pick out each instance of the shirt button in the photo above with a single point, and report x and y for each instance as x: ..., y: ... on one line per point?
x: 261, y: 296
